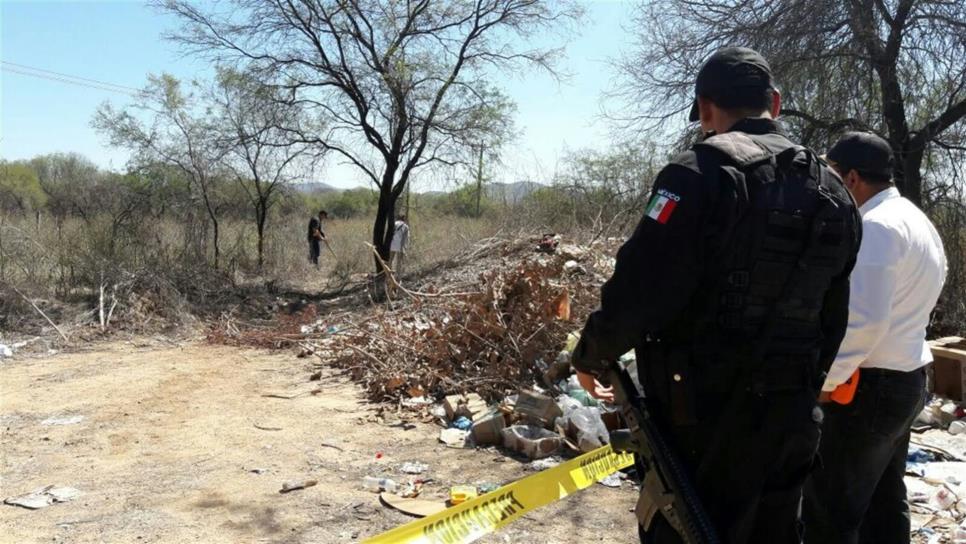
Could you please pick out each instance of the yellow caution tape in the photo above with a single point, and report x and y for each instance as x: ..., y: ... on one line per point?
x: 471, y: 520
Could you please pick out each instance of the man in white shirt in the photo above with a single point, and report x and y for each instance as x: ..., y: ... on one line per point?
x: 398, y: 246
x: 858, y: 495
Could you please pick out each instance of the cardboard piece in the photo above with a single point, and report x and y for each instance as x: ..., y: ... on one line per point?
x: 414, y: 507
x: 537, y: 406
x: 949, y: 368
x: 487, y: 429
x: 475, y: 406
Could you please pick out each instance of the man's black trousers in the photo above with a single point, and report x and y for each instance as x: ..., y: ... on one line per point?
x: 858, y: 495
x: 315, y: 249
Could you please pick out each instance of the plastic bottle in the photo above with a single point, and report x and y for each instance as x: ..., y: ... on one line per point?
x: 371, y: 483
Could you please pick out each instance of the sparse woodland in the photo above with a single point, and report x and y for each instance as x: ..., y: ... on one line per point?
x: 210, y: 214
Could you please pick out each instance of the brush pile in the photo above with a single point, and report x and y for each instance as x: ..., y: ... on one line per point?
x: 488, y: 342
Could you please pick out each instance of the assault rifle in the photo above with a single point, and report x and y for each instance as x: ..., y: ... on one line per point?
x: 665, y: 486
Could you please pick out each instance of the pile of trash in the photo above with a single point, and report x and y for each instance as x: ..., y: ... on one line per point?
x: 537, y: 422
x: 531, y: 423
x: 936, y: 465
x: 538, y: 425
x: 944, y: 414
x: 936, y: 485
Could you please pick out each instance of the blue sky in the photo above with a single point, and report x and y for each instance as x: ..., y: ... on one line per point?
x: 120, y: 43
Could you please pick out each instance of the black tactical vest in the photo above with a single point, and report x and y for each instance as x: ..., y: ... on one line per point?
x: 794, y: 230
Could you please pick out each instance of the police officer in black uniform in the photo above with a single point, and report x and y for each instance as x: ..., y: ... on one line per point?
x: 733, y: 290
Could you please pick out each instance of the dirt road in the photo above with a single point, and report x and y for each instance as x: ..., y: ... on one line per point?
x: 181, y: 444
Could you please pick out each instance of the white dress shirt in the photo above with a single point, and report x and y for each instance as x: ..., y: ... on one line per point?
x: 899, y: 272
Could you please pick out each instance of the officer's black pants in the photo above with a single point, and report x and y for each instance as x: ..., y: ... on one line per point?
x: 751, y: 483
x: 858, y: 495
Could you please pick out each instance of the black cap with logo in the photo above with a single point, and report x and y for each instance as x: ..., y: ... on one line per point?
x: 731, y: 71
x: 863, y: 152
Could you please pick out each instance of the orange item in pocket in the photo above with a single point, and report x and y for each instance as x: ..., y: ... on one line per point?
x: 845, y: 392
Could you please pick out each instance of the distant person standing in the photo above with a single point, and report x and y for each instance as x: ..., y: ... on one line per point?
x: 858, y: 494
x: 400, y: 242
x: 316, y: 236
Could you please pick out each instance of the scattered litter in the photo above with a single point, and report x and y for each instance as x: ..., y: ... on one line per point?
x: 410, y: 490
x: 486, y: 487
x: 543, y: 464
x: 957, y: 427
x: 62, y: 420
x: 376, y: 485
x: 415, y: 402
x: 258, y: 470
x: 266, y: 427
x: 454, y: 438
x: 461, y: 493
x: 292, y: 486
x: 437, y: 411
x: 487, y: 430
x: 612, y: 480
x: 537, y: 406
x: 413, y: 468
x: 585, y: 425
x: 574, y: 268
x: 531, y: 441
x: 919, y: 455
x: 462, y: 423
x: 44, y: 496
x: 5, y: 351
x: 414, y: 507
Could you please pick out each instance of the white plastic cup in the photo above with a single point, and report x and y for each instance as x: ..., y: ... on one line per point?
x: 957, y: 427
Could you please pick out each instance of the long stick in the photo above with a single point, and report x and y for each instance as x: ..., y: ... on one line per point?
x: 41, y: 312
x: 330, y: 248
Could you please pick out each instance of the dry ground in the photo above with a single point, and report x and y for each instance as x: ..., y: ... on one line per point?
x: 168, y: 442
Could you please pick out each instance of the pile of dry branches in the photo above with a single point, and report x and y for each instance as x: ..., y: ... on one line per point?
x: 488, y: 342
x: 490, y: 338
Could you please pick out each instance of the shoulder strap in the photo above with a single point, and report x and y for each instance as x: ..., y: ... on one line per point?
x: 740, y: 148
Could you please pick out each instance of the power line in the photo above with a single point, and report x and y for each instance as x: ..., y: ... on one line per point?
x: 66, y: 78
x: 35, y: 69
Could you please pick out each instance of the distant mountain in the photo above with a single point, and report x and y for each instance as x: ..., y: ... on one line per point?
x: 309, y: 187
x: 510, y: 193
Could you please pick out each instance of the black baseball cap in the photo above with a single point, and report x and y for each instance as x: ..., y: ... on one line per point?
x: 731, y: 71
x: 864, y: 152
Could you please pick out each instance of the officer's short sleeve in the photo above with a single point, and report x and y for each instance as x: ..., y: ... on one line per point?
x: 657, y: 269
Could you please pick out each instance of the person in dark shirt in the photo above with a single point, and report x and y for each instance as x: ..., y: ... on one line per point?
x: 316, y: 237
x: 733, y: 291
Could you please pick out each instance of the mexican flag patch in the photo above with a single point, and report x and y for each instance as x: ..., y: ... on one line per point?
x: 662, y: 206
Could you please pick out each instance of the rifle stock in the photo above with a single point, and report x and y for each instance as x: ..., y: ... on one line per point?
x: 665, y: 486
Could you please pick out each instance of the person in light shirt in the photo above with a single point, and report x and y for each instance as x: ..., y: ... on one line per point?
x: 858, y: 495
x: 399, y: 245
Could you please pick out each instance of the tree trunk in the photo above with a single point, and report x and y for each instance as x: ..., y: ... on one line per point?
x: 260, y: 216
x: 907, y: 171
x: 214, y: 238
x: 214, y: 226
x: 479, y: 181
x: 382, y: 229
